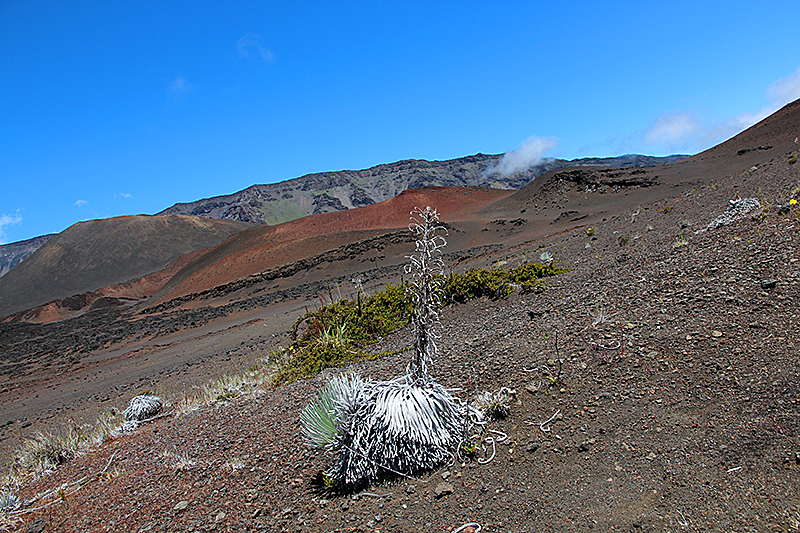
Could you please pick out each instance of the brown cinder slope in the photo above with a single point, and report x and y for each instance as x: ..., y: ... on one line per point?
x: 657, y: 390
x: 261, y: 248
x: 96, y: 253
x: 590, y: 193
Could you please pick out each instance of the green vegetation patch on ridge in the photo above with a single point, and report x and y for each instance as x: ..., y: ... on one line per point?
x: 338, y: 333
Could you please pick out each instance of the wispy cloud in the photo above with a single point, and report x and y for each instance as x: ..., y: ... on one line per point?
x: 180, y: 86
x: 251, y: 46
x: 123, y: 195
x: 684, y: 131
x: 673, y: 128
x: 529, y: 153
x: 80, y: 203
x: 8, y: 220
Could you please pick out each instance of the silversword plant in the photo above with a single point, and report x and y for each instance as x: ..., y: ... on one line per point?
x: 401, y: 426
x: 427, y: 276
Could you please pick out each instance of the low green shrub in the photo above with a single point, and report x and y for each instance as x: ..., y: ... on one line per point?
x: 337, y: 333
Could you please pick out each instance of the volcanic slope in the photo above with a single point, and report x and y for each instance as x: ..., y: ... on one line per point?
x: 263, y: 248
x: 656, y: 387
x: 557, y: 201
x: 586, y: 195
x: 93, y: 254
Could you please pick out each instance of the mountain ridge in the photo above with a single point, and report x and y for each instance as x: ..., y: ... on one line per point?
x: 93, y: 254
x: 15, y: 253
x: 325, y: 192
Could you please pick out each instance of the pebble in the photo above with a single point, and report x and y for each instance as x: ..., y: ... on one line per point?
x: 768, y: 283
x: 411, y: 489
x: 442, y: 489
x: 181, y: 505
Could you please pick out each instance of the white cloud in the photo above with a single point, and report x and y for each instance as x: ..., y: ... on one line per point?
x: 251, y: 46
x: 529, y: 153
x: 784, y: 90
x: 673, y: 129
x: 124, y: 195
x: 80, y: 203
x: 8, y: 220
x: 180, y: 85
x: 683, y: 131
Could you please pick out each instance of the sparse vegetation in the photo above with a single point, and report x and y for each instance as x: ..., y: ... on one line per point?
x: 339, y: 332
x: 178, y: 460
x: 680, y: 240
x: 410, y: 423
x: 495, y: 405
x: 45, y: 451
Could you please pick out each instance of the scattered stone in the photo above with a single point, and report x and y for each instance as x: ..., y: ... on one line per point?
x: 445, y: 474
x: 736, y: 209
x: 442, y: 489
x: 411, y: 489
x: 651, y: 456
x: 533, y: 387
x: 532, y: 447
x: 220, y: 517
x: 181, y: 505
x: 768, y: 283
x: 716, y: 333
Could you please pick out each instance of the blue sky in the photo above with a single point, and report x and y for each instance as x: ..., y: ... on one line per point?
x: 111, y: 108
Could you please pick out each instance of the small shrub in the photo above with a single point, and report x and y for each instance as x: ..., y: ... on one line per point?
x: 623, y: 241
x: 384, y: 428
x: 496, y: 283
x: 337, y: 333
x: 792, y: 160
x: 495, y: 405
x: 477, y: 283
x: 9, y: 501
x: 142, y: 407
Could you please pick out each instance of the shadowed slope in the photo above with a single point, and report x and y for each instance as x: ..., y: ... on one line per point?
x: 93, y: 254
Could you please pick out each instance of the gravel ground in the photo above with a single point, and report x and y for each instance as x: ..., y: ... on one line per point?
x: 676, y: 405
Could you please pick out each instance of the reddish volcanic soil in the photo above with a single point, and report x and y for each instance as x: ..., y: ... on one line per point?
x: 676, y: 405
